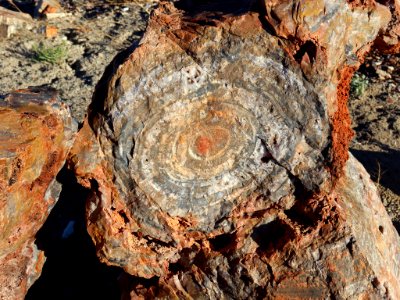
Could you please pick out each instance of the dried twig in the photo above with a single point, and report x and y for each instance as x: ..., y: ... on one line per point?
x: 14, y: 5
x: 380, y: 173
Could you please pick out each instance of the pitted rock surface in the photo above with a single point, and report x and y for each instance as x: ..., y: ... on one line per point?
x: 198, y: 152
x: 214, y: 152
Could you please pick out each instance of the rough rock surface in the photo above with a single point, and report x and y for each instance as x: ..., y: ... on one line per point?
x: 388, y: 40
x: 36, y: 134
x: 11, y: 21
x: 217, y: 156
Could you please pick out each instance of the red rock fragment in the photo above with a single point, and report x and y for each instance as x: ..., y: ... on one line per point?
x: 51, y: 31
x: 36, y: 133
x: 47, y: 7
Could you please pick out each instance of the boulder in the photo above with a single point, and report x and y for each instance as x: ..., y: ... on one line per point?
x: 11, y: 22
x: 36, y: 133
x: 217, y: 156
x: 388, y: 40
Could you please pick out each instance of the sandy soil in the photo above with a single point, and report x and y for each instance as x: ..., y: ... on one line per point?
x: 94, y: 32
x: 376, y: 122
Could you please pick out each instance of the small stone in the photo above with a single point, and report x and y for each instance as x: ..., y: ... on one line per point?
x: 390, y: 68
x: 47, y: 7
x: 383, y: 75
x: 51, y: 31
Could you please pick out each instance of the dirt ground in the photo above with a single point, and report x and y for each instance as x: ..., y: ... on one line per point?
x: 93, y: 32
x: 376, y: 121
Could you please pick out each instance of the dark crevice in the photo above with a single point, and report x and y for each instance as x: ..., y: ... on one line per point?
x: 308, y: 48
x: 72, y: 269
x: 193, y: 7
x: 263, y: 13
x: 303, y: 215
x: 151, y: 241
x: 301, y: 193
x: 123, y: 216
x: 261, y: 292
x: 224, y: 285
x: 101, y: 89
x: 350, y: 246
x: 272, y: 237
x: 186, y: 260
x: 223, y: 242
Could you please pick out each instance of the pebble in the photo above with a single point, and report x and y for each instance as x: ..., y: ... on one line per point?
x: 383, y: 74
x: 390, y: 68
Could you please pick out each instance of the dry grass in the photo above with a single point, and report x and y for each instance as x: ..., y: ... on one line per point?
x: 14, y: 5
x: 53, y: 54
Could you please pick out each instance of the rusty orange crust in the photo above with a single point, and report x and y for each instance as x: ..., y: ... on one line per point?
x: 341, y: 124
x: 38, y: 138
x: 36, y: 132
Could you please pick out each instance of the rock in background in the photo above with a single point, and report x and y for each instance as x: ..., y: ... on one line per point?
x: 11, y: 22
x: 217, y: 156
x: 389, y: 39
x: 36, y: 134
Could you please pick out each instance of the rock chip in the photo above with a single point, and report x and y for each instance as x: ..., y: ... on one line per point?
x: 217, y: 155
x: 12, y: 21
x: 47, y: 8
x: 36, y: 133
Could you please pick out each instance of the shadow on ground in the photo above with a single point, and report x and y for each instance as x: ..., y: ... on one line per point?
x: 72, y: 270
x: 384, y: 168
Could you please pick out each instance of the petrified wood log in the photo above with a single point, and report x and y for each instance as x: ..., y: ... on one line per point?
x: 36, y: 134
x: 217, y: 156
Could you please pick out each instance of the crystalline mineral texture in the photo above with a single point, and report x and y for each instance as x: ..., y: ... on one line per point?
x: 217, y: 155
x: 36, y: 134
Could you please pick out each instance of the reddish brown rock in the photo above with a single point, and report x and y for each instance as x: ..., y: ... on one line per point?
x: 217, y: 156
x: 47, y: 8
x: 36, y: 133
x: 388, y: 40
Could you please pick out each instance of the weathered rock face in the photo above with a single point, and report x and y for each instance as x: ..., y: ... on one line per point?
x: 11, y: 22
x: 341, y: 245
x: 389, y: 39
x: 36, y: 133
x: 217, y: 155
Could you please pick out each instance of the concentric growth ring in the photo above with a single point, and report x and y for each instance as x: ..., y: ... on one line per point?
x: 196, y: 151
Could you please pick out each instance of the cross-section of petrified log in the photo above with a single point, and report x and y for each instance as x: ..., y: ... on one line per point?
x: 217, y: 156
x: 36, y: 133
